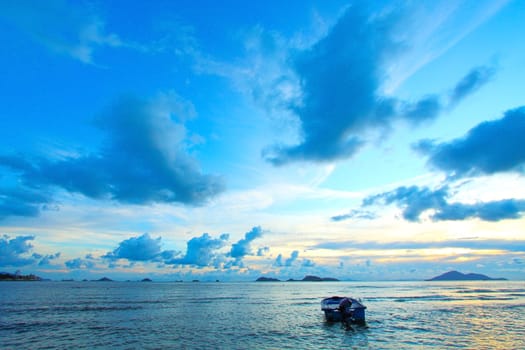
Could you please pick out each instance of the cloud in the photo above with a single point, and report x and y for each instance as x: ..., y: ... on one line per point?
x: 355, y: 214
x: 62, y: 28
x: 202, y: 251
x: 243, y: 246
x: 142, y: 248
x: 22, y: 201
x: 481, y: 244
x: 489, y: 211
x: 145, y: 159
x: 16, y: 252
x: 308, y: 263
x: 339, y: 76
x: 340, y: 82
x: 288, y: 262
x: 78, y: 263
x: 427, y: 108
x: 488, y: 148
x: 263, y: 251
x: 415, y: 200
x: 45, y: 259
x: 476, y: 78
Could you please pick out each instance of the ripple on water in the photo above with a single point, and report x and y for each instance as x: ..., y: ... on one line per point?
x: 261, y: 316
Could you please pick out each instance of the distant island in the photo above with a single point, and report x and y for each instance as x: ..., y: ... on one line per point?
x: 5, y: 276
x: 267, y: 279
x: 308, y: 278
x: 458, y: 276
x: 104, y: 279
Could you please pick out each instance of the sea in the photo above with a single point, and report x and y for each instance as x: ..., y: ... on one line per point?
x: 259, y: 315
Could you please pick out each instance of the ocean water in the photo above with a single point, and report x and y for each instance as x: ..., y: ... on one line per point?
x: 287, y: 315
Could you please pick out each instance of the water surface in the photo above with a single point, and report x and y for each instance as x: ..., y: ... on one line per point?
x: 273, y: 315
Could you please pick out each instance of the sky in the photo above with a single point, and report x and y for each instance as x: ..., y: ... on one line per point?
x: 181, y: 140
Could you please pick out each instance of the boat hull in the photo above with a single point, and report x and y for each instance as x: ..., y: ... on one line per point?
x: 354, y: 313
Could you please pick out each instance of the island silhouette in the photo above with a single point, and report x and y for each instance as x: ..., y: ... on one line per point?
x: 307, y: 278
x: 458, y: 276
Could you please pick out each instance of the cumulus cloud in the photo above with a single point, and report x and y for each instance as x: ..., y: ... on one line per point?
x: 202, y: 251
x: 142, y: 248
x: 145, y: 159
x: 17, y: 252
x: 243, y: 246
x: 45, y: 259
x: 288, y: 262
x: 488, y: 148
x: 263, y: 251
x: 415, y: 200
x: 340, y: 79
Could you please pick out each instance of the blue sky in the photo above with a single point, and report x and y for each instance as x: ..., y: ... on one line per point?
x: 229, y: 140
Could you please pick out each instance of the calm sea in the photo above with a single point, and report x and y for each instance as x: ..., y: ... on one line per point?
x: 139, y: 315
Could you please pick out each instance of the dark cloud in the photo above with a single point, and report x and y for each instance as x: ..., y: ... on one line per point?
x: 202, y: 251
x: 22, y: 201
x: 490, y: 147
x: 340, y: 79
x: 476, y: 78
x: 415, y: 200
x: 243, y: 246
x: 427, y: 108
x: 145, y: 159
x: 142, y: 248
x: 78, y: 263
x: 17, y: 252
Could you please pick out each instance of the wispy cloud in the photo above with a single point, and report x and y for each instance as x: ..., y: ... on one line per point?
x: 426, y: 34
x: 63, y: 28
x: 355, y: 214
x: 476, y: 78
x: 481, y: 244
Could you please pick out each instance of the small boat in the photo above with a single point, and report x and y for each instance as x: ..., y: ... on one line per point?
x: 353, y: 309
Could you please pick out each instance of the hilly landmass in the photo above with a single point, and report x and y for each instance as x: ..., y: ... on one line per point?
x: 458, y: 276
